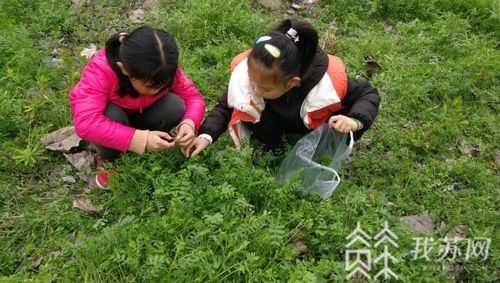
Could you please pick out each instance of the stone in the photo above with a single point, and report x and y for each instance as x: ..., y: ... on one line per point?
x: 422, y: 223
x: 62, y: 140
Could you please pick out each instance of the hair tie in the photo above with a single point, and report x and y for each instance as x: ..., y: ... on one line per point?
x: 273, y: 50
x: 293, y: 35
x: 122, y: 36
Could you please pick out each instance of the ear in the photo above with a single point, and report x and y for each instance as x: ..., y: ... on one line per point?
x: 122, y: 68
x: 293, y: 82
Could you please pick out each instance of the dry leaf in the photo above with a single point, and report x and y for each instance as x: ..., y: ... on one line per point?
x: 389, y: 26
x: 35, y: 263
x: 84, y: 204
x: 69, y: 179
x: 365, y: 143
x: 460, y: 232
x: 371, y: 67
x: 301, y: 248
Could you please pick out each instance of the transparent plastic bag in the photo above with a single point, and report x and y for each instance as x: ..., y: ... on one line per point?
x: 317, y: 158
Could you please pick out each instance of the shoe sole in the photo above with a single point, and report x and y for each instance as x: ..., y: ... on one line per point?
x: 99, y: 184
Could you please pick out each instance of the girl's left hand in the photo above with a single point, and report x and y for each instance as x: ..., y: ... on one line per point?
x: 185, y: 133
x: 342, y: 124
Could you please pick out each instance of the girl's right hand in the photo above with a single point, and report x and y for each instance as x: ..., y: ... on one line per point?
x: 158, y: 140
x: 196, y: 146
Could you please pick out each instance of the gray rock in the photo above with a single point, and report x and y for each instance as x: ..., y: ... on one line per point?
x: 272, y: 5
x: 69, y: 179
x: 471, y: 150
x: 62, y: 140
x: 82, y: 161
x: 422, y: 223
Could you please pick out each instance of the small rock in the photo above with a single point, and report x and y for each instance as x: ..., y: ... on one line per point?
x: 84, y: 204
x: 302, y: 4
x: 290, y: 12
x: 297, y: 7
x: 389, y: 26
x: 82, y: 161
x: 137, y: 16
x: 271, y: 5
x: 420, y: 223
x: 62, y: 140
x: 301, y: 248
x: 471, y: 150
x: 460, y: 232
x: 69, y: 179
x: 89, y: 51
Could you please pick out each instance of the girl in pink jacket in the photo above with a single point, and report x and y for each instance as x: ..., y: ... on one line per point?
x: 132, y: 94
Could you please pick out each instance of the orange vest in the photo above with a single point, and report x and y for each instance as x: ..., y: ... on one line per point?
x: 321, y: 102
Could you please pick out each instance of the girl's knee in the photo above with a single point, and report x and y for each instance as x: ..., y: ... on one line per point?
x: 117, y: 114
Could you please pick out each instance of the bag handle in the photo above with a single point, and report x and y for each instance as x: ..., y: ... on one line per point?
x: 348, y: 151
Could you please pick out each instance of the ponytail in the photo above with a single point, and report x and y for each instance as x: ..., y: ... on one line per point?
x: 291, y: 47
x: 113, y: 55
x: 306, y: 41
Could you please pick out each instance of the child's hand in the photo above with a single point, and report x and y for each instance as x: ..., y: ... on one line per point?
x: 157, y: 140
x: 343, y: 124
x: 197, y: 146
x: 185, y: 133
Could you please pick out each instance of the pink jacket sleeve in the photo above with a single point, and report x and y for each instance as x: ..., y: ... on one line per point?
x: 88, y: 100
x: 194, y: 101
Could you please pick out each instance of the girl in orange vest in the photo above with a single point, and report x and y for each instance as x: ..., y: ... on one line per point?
x: 287, y: 84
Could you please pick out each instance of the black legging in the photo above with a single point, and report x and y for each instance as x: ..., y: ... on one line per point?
x: 163, y: 115
x: 271, y: 128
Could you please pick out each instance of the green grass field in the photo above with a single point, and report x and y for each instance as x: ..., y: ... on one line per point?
x: 221, y: 217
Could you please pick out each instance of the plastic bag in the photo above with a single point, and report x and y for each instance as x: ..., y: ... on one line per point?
x: 323, y: 145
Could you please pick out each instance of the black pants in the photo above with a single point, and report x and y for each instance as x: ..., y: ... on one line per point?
x: 272, y: 127
x: 163, y: 115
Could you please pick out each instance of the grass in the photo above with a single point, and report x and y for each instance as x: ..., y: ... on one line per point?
x: 221, y: 217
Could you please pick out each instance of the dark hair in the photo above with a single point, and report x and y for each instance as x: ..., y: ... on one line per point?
x: 147, y: 54
x: 295, y: 57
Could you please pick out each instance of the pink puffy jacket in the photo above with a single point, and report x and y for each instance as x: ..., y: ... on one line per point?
x: 98, y: 85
